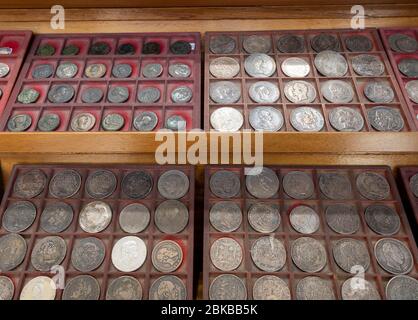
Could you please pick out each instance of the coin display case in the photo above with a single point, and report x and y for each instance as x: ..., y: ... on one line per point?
x: 245, y: 235
x: 406, y: 175
x: 83, y: 57
x: 360, y: 102
x: 106, y: 272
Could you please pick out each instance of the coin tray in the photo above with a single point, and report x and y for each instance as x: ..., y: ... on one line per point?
x: 406, y: 173
x: 164, y: 107
x: 360, y: 101
x: 245, y: 235
x: 395, y: 57
x: 147, y: 273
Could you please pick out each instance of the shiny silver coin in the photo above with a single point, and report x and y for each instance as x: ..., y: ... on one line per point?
x: 349, y: 254
x: 19, y: 216
x: 270, y: 287
x: 19, y: 123
x: 7, y: 288
x: 179, y: 70
x: 346, y: 119
x: 382, y: 219
x: 262, y: 185
x: 88, y: 254
x: 227, y: 287
x: 331, y: 64
x: 264, y: 92
x: 266, y: 118
x: 357, y: 288
x: 368, y: 65
x: 264, y: 217
x: 149, y: 95
x: 307, y: 119
x: 225, y: 184
x: 291, y: 43
x: 304, y: 219
x: 56, y: 217
x: 101, y: 184
x: 408, y: 67
x: 48, y: 252
x: 314, y: 288
x: 325, y: 41
x: 299, y: 91
x: 385, y: 118
x: 403, y: 43
x: 337, y: 91
x: 379, y: 92
x: 167, y: 256
x: 226, y: 119
x: 393, y: 256
x: 224, y: 67
x: 41, y: 71
x: 49, y: 122
x: 4, y: 69
x: 402, y: 288
x: 268, y: 254
x: 257, y: 44
x: 295, y: 67
x: 260, y: 65
x: 95, y: 70
x: 358, y: 43
x: 168, y: 288
x: 122, y: 70
x: 373, y: 186
x: 225, y: 216
x: 226, y: 254
x: 308, y: 254
x: 60, y: 93
x: 39, y: 288
x: 67, y: 70
x: 95, y: 217
x: 146, y: 121
x: 118, y: 94
x: 224, y: 92
x: 222, y: 44
x: 335, y: 186
x: 65, y: 184
x: 152, y: 70
x: 342, y: 218
x: 173, y: 184
x: 28, y: 95
x: 29, y: 184
x: 83, y: 122
x: 137, y: 184
x: 134, y: 218
x: 413, y: 184
x: 82, y: 287
x: 171, y: 217
x: 92, y: 95
x: 412, y: 90
x: 176, y: 123
x: 124, y: 288
x: 113, y: 122
x: 13, y: 249
x: 129, y: 254
x: 182, y: 94
x: 298, y: 185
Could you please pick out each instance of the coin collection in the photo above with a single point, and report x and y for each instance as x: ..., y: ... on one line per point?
x: 409, y: 177
x: 306, y: 233
x: 306, y: 81
x: 119, y: 232
x: 108, y: 82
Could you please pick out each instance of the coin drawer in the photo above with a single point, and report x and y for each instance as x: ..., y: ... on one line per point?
x: 42, y: 195
x: 93, y: 79
x: 411, y: 198
x: 236, y: 73
x: 358, y: 185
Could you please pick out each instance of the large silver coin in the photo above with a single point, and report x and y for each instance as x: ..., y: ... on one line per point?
x: 379, y: 92
x: 335, y: 186
x: 393, y: 256
x: 346, y: 119
x: 48, y: 252
x: 182, y: 94
x: 304, y: 219
x: 226, y: 119
x: 152, y: 70
x: 18, y: 122
x: 264, y: 184
x: 168, y: 288
x: 270, y: 287
x: 95, y: 217
x: 222, y: 44
x: 88, y: 254
x: 134, y: 218
x: 266, y: 118
x: 83, y: 122
x: 314, y: 288
x: 19, y: 216
x: 298, y: 185
x: 308, y: 254
x: 173, y: 184
x: 331, y: 64
x: 67, y: 70
x: 224, y: 92
x: 264, y: 92
x: 65, y: 184
x: 13, y: 249
x: 146, y: 121
x: 224, y: 67
x: 300, y: 91
x: 337, y: 91
x: 350, y: 254
x: 101, y: 184
x: 149, y: 95
x: 39, y: 288
x: 227, y: 287
x: 295, y: 67
x: 179, y: 70
x: 257, y: 44
x: 413, y: 184
x: 373, y: 186
x: 342, y: 218
x: 124, y: 288
x: 268, y: 254
x: 260, y: 65
x: 29, y: 184
x: 382, y: 219
x: 368, y: 65
x: 412, y: 90
x: 225, y: 216
x: 359, y: 289
x: 5, y: 69
x: 7, y: 288
x: 226, y: 254
x: 307, y: 119
x: 82, y: 287
x: 225, y: 184
x: 291, y: 43
x: 95, y: 70
x: 264, y: 217
x: 167, y: 256
x: 129, y: 254
x: 402, y: 288
x: 385, y: 118
x: 325, y: 41
x: 171, y: 217
x: 60, y: 93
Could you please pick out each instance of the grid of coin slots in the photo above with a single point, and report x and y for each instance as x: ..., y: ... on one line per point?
x: 402, y: 48
x: 409, y: 177
x: 306, y: 233
x: 313, y: 80
x: 108, y: 82
x: 118, y: 232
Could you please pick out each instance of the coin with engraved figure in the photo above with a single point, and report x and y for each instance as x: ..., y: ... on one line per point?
x: 268, y: 254
x: 382, y: 219
x: 225, y: 216
x: 60, y: 93
x: 349, y: 254
x: 41, y: 71
x: 45, y: 50
x: 182, y: 94
x: 118, y: 94
x: 48, y: 252
x: 291, y: 43
x: 325, y: 41
x: 368, y: 65
x: 56, y: 217
x: 101, y: 184
x: 224, y: 92
x: 173, y: 184
x: 176, y: 123
x: 337, y: 91
x: 95, y: 217
x: 225, y: 184
x: 308, y: 254
x: 19, y: 216
x: 385, y: 118
x: 13, y: 249
x: 88, y: 254
x: 413, y: 184
x: 124, y: 288
x: 298, y: 185
x: 299, y: 91
x: 357, y: 288
x: 67, y: 70
x: 122, y: 70
x: 402, y: 43
x: 19, y: 123
x: 222, y: 44
x: 137, y: 184
x: 373, y: 186
x: 331, y: 64
x: 358, y: 43
x: 271, y: 287
x: 39, y: 288
x: 134, y: 218
x: 29, y: 184
x: 264, y: 184
x: 307, y: 119
x: 266, y: 118
x: 83, y: 122
x: 179, y: 70
x: 129, y: 253
x: 314, y: 288
x: 304, y: 219
x: 146, y: 121
x: 264, y: 217
x: 226, y: 119
x: 171, y: 216
x: 295, y: 67
x: 342, y: 218
x: 82, y: 287
x: 224, y: 67
x: 152, y: 70
x: 335, y: 186
x: 412, y: 90
x: 149, y: 95
x: 65, y: 184
x: 167, y: 256
x: 402, y: 288
x: 257, y: 44
x: 49, y: 122
x: 264, y: 92
x: 113, y: 122
x: 379, y: 92
x: 168, y: 288
x: 226, y: 254
x: 260, y: 65
x: 7, y: 288
x: 227, y: 287
x: 28, y: 95
x: 408, y: 67
x: 393, y: 256
x: 346, y: 119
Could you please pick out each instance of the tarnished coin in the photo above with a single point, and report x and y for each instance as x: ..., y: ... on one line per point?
x: 373, y: 186
x: 412, y: 90
x: 304, y: 219
x: 48, y: 252
x: 402, y: 43
x: 382, y: 219
x: 268, y: 254
x: 70, y: 50
x: 270, y: 287
x: 41, y: 71
x: 45, y: 50
x: 19, y: 216
x: 385, y: 118
x: 413, y: 183
x: 67, y: 70
x: 13, y: 249
x: 65, y: 184
x: 379, y: 92
x: 27, y: 96
x: 39, y: 288
x: 307, y: 119
x: 124, y: 288
x: 409, y: 67
x: 95, y: 217
x: 298, y: 185
x: 402, y: 288
x: 226, y: 119
x: 314, y: 288
x: 49, y: 122
x: 134, y: 218
x: 266, y: 118
x: 167, y: 256
x: 346, y: 119
x: 168, y: 288
x: 151, y: 48
x: 61, y: 93
x: 179, y: 70
x: 368, y: 65
x: 257, y: 44
x: 393, y: 256
x: 182, y: 94
x: 342, y: 218
x: 349, y: 254
x: 181, y: 47
x: 224, y: 92
x: 29, y: 184
x: 19, y: 123
x: 299, y: 91
x: 101, y: 184
x: 337, y: 91
x: 152, y: 70
x: 176, y: 123
x: 171, y: 217
x: 129, y: 254
x: 7, y: 288
x: 113, y: 122
x: 56, y: 217
x: 358, y: 43
x: 291, y: 43
x: 264, y: 184
x: 95, y: 70
x: 224, y: 67
x: 331, y: 64
x: 264, y: 217
x: 226, y: 254
x: 225, y: 184
x: 82, y: 287
x: 295, y: 67
x: 88, y: 254
x: 335, y: 186
x: 122, y: 70
x: 146, y: 121
x: 137, y: 184
x: 325, y: 41
x: 357, y: 288
x: 260, y: 65
x: 99, y: 48
x: 173, y: 184
x: 227, y: 287
x: 83, y: 122
x: 308, y: 254
x: 126, y: 49
x: 149, y: 95
x: 92, y: 95
x: 225, y: 216
x: 264, y: 92
x: 118, y: 94
x: 222, y: 44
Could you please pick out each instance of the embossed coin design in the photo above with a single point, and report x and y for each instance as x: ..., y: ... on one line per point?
x: 49, y: 122
x: 335, y: 186
x: 266, y: 118
x: 379, y: 92
x: 325, y: 41
x: 167, y: 256
x: 29, y: 184
x: 176, y: 123
x: 227, y: 287
x: 88, y: 254
x: 367, y: 291
x: 314, y: 288
x: 129, y: 254
x: 7, y: 288
x: 95, y: 217
x: 331, y: 64
x: 67, y: 70
x: 45, y: 50
x: 83, y: 122
x: 351, y: 253
x: 226, y: 119
x: 101, y: 184
x: 56, y: 217
x: 113, y: 122
x: 60, y: 93
x: 224, y: 67
x: 41, y: 71
x: 257, y: 44
x: 368, y: 65
x: 92, y: 95
x: 65, y: 184
x: 260, y: 65
x: 342, y: 218
x: 226, y: 254
x: 122, y: 70
x: 412, y: 90
x: 224, y: 92
x: 408, y: 67
x: 4, y: 70
x: 151, y: 48
x: 82, y: 287
x: 13, y: 249
x: 268, y: 254
x: 299, y: 91
x: 222, y: 44
x: 19, y: 123
x: 393, y: 256
x: 291, y: 43
x: 337, y: 91
x: 225, y: 216
x: 385, y: 118
x: 173, y: 184
x: 168, y: 288
x: 19, y: 216
x: 118, y: 94
x: 152, y: 70
x: 346, y: 119
x: 402, y: 288
x: 134, y: 218
x: 402, y: 43
x: 295, y: 67
x: 99, y: 48
x: 270, y: 287
x: 304, y: 219
x: 179, y: 70
x: 373, y: 186
x: 146, y: 121
x: 70, y: 50
x: 182, y: 94
x: 382, y: 219
x: 124, y: 288
x: 264, y: 184
x: 264, y: 217
x: 307, y: 119
x: 137, y: 184
x: 149, y: 95
x: 171, y: 217
x: 181, y: 47
x: 39, y: 288
x: 308, y: 254
x: 28, y: 95
x: 358, y: 43
x: 264, y: 92
x: 298, y: 185
x: 48, y: 252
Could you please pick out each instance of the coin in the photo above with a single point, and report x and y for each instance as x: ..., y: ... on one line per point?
x: 402, y: 288
x: 146, y: 121
x: 67, y: 70
x: 335, y: 186
x: 49, y: 122
x: 101, y: 184
x: 299, y: 91
x: 226, y: 254
x: 298, y: 185
x: 382, y: 219
x: 113, y: 122
x: 358, y: 43
x: 48, y: 252
x: 167, y: 256
x: 168, y: 288
x: 357, y: 288
x: 304, y: 219
x: 260, y: 65
x: 41, y: 71
x: 171, y: 217
x: 179, y: 70
x: 82, y: 287
x: 263, y: 185
x: 226, y: 119
x: 129, y: 253
x: 225, y: 184
x: 227, y: 287
x: 65, y: 184
x: 402, y: 43
x: 56, y: 217
x: 224, y: 92
x: 264, y: 217
x: 95, y: 217
x: 118, y: 94
x: 412, y: 90
x: 7, y: 288
x: 224, y: 67
x: 88, y: 254
x: 393, y: 256
x: 173, y: 184
x: 70, y: 50
x: 385, y: 118
x: 270, y: 287
x: 149, y: 95
x: 409, y: 67
x: 222, y: 44
x: 12, y: 251
x: 124, y: 288
x: 264, y: 92
x: 182, y: 94
x: 39, y: 288
x: 99, y: 48
x: 60, y: 93
x: 368, y: 65
x: 95, y: 70
x: 325, y: 41
x: 314, y: 288
x: 342, y: 218
x: 379, y: 92
x: 257, y: 44
x: 92, y: 95
x: 19, y: 216
x: 265, y: 118
x: 295, y: 67
x: 346, y: 119
x: 225, y: 216
x: 45, y: 50
x: 268, y: 254
x: 291, y: 43
x: 83, y: 122
x: 308, y: 254
x: 137, y: 184
x: 181, y: 47
x: 27, y: 96
x: 151, y: 48
x: 134, y: 218
x: 306, y: 119
x: 29, y: 184
x: 176, y: 123
x: 413, y: 184
x: 331, y: 64
x: 122, y: 70
x: 373, y: 186
x: 125, y: 49
x: 19, y: 122
x: 337, y: 91
x: 152, y: 70
x: 350, y: 254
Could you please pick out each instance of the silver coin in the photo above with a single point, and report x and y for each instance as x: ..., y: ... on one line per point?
x: 176, y: 123
x: 304, y: 219
x: 264, y: 92
x: 224, y: 67
x: 118, y: 94
x: 412, y: 90
x: 28, y: 95
x: 335, y: 186
x: 266, y: 118
x: 29, y: 184
x: 225, y: 216
x: 373, y: 186
x: 134, y: 218
x: 167, y: 256
x: 19, y: 216
x: 13, y: 249
x: 113, y: 122
x: 4, y: 69
x: 298, y: 185
x: 82, y: 287
x: 382, y: 219
x: 83, y: 122
x: 257, y: 44
x: 182, y: 94
x: 359, y: 289
x: 402, y: 288
x: 346, y: 119
x: 39, y: 288
x: 385, y: 118
x: 226, y: 119
x: 337, y: 91
x: 299, y: 91
x: 308, y: 254
x: 146, y: 121
x: 95, y: 217
x: 19, y: 123
x: 331, y: 64
x: 379, y: 92
x: 173, y: 184
x: 171, y: 217
x: 179, y: 70
x: 124, y: 288
x: 314, y: 288
x: 295, y: 67
x: 325, y: 41
x: 270, y: 287
x: 260, y: 65
x: 264, y: 217
x: 48, y: 252
x: 41, y: 71
x: 88, y: 254
x: 227, y: 287
x: 368, y: 65
x: 168, y: 288
x: 152, y: 70
x: 264, y: 184
x: 129, y: 254
x: 92, y: 95
x: 49, y: 122
x: 122, y: 70
x: 307, y: 119
x: 342, y: 218
x: 7, y: 288
x: 101, y: 184
x: 403, y: 43
x: 225, y: 184
x: 222, y: 44
x: 413, y: 184
x: 350, y: 254
x: 393, y: 256
x: 226, y: 254
x: 224, y: 92
x: 408, y: 67
x: 67, y: 70
x: 60, y: 93
x: 65, y: 184
x: 268, y: 254
x: 149, y: 95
